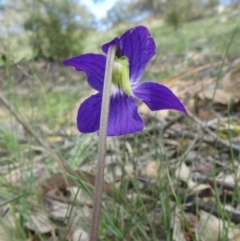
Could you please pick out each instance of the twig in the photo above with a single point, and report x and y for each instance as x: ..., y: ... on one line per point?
x: 219, y: 143
x: 172, y: 122
x: 213, y: 209
x: 218, y: 183
x: 102, y: 143
x: 193, y: 71
x: 21, y: 120
x: 218, y: 120
x: 217, y: 139
x: 190, y: 147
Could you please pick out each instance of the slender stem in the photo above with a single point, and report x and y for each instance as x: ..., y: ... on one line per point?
x: 99, y: 181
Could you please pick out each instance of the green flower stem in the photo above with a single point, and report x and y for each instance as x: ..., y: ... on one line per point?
x: 99, y: 181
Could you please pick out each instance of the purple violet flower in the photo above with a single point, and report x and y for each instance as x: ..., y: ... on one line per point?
x: 135, y: 48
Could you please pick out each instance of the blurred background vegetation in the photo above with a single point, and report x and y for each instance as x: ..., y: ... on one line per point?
x: 54, y: 30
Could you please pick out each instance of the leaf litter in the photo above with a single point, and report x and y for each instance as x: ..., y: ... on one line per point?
x: 190, y: 161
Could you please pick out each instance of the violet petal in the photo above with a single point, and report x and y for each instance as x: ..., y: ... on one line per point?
x: 123, y: 115
x: 93, y: 65
x: 88, y: 118
x: 157, y: 96
x: 139, y: 46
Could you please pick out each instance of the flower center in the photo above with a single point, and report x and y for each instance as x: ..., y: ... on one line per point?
x: 120, y: 76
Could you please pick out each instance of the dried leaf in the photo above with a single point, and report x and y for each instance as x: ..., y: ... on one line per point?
x: 3, y: 234
x: 39, y: 222
x: 59, y: 210
x: 230, y: 178
x: 176, y: 224
x: 151, y: 169
x: 220, y: 96
x: 211, y: 228
x: 61, y: 181
x: 183, y: 172
x: 80, y: 235
x: 231, y: 81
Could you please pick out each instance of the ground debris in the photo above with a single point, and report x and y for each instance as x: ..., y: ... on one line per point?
x: 185, y: 166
